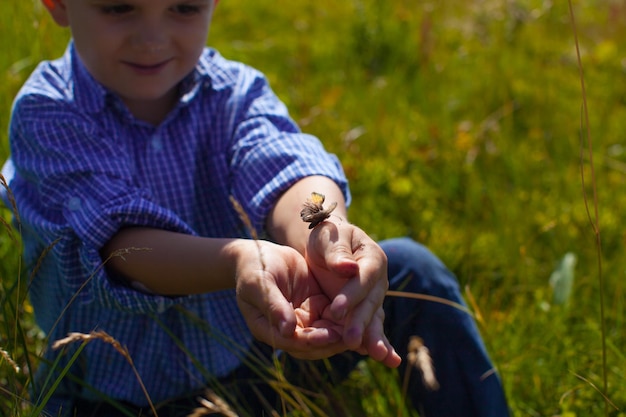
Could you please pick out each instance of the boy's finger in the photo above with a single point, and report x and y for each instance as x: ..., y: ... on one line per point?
x: 377, y: 344
x: 362, y: 314
x: 263, y: 299
x: 370, y: 283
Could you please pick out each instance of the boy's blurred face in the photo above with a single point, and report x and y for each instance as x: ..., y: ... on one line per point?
x: 140, y: 49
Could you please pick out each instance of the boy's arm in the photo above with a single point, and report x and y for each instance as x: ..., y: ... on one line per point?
x: 171, y: 263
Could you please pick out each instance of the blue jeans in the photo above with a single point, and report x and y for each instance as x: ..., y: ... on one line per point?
x: 469, y: 387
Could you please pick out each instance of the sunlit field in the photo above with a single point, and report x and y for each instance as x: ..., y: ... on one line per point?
x: 460, y: 124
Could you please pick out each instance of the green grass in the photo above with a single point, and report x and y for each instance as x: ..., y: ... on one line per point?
x: 458, y: 124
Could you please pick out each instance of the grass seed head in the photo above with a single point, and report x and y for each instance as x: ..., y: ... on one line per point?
x: 419, y: 357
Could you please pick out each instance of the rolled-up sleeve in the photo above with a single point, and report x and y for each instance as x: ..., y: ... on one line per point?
x: 269, y: 152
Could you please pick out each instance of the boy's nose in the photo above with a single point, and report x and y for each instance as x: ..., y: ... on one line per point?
x: 150, y: 45
x: 149, y: 38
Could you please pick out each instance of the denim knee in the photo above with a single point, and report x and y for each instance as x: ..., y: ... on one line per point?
x: 414, y: 268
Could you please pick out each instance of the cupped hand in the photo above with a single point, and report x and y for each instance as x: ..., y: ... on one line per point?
x: 351, y: 270
x: 282, y: 303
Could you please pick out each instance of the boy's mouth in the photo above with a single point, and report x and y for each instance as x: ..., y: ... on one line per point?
x: 147, y: 69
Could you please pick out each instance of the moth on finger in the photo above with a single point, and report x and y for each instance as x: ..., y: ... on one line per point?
x: 313, y: 211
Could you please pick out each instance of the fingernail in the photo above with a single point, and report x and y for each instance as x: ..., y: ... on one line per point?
x: 354, y: 336
x: 339, y: 307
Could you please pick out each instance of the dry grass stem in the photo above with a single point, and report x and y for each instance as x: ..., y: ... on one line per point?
x: 10, y: 197
x: 213, y: 404
x: 266, y: 404
x: 9, y: 229
x: 248, y: 224
x: 119, y: 253
x: 419, y: 357
x: 244, y: 217
x: 594, y: 221
x: 40, y: 259
x: 105, y: 337
x: 595, y: 387
x: 293, y: 397
x: 487, y: 374
x: 4, y: 354
x: 83, y: 337
x: 472, y: 302
x: 432, y: 298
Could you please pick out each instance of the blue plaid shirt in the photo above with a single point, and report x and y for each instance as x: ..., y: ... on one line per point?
x: 85, y: 167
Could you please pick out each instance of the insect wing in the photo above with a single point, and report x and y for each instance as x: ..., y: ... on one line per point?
x: 309, y: 211
x: 321, y: 215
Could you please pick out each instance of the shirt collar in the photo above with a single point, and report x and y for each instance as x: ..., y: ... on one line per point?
x: 191, y: 85
x: 89, y: 94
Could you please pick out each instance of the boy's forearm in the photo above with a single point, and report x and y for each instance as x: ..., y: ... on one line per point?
x: 171, y: 263
x: 284, y: 224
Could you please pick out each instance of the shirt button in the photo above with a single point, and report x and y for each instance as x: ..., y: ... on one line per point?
x: 74, y: 204
x: 157, y: 143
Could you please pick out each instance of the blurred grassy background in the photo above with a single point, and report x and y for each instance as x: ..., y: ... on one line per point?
x: 459, y: 125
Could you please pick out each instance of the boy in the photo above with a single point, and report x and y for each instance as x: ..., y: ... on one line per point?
x: 127, y: 151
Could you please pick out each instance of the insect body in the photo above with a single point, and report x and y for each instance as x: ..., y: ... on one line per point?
x: 313, y: 211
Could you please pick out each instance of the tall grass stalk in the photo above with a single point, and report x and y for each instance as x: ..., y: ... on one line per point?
x: 595, y: 219
x: 106, y: 338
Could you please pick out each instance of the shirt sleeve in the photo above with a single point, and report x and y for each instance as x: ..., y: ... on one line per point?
x: 74, y: 191
x: 269, y: 152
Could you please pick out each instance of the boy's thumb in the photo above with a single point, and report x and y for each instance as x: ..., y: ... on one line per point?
x: 341, y: 260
